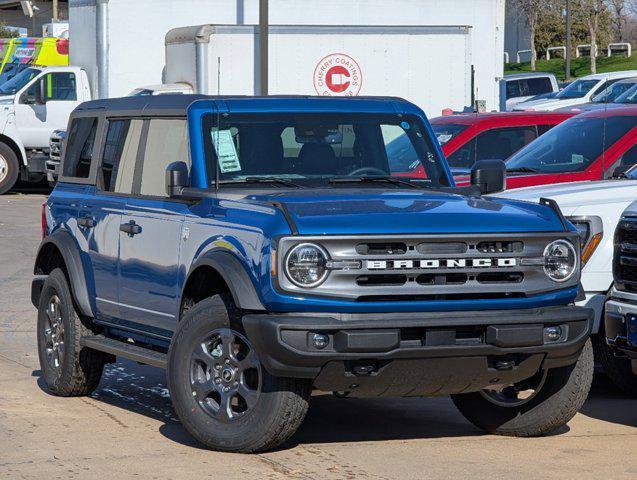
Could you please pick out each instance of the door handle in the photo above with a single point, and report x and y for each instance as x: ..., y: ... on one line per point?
x: 86, y: 222
x: 131, y: 228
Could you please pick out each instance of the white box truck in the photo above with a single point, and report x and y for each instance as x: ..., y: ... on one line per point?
x: 427, y: 65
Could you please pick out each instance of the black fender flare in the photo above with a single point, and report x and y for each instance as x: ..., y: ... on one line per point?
x: 69, y: 249
x: 234, y: 274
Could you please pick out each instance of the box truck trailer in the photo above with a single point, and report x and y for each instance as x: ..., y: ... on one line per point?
x: 427, y: 65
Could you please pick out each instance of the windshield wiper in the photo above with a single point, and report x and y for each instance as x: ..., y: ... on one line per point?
x: 391, y: 180
x: 522, y: 170
x: 280, y: 181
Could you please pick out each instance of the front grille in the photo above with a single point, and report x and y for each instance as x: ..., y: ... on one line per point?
x: 625, y: 258
x: 431, y: 267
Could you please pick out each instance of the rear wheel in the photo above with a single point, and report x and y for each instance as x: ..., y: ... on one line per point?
x: 68, y: 368
x: 533, y: 407
x: 219, y: 389
x: 9, y: 168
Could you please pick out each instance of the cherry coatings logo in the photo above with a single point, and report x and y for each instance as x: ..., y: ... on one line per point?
x: 338, y: 75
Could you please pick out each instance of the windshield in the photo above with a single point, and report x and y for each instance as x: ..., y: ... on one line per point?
x: 572, y: 145
x: 312, y: 149
x: 577, y: 89
x: 446, y: 131
x: 613, y: 92
x: 16, y: 83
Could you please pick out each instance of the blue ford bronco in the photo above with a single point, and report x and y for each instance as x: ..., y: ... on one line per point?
x: 262, y: 248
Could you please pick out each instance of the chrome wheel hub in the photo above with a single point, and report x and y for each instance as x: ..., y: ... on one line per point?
x: 54, y: 333
x: 4, y: 168
x: 225, y: 375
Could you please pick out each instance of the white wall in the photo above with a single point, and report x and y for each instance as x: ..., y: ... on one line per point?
x: 138, y: 28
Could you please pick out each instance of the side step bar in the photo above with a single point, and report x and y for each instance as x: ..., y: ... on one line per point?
x: 126, y: 350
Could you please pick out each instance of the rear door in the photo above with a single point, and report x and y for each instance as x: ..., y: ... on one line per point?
x: 102, y: 215
x: 149, y: 251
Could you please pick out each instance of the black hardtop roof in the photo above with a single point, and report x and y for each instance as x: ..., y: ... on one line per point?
x: 177, y: 104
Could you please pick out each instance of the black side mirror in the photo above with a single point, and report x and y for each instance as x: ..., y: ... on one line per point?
x: 489, y: 176
x: 621, y: 171
x: 176, y: 179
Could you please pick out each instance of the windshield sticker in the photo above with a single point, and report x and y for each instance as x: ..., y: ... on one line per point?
x: 226, y: 151
x: 443, y: 138
x: 576, y: 158
x: 405, y: 125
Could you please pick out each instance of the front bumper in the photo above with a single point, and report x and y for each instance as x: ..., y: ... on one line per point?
x: 425, y: 353
x: 621, y: 324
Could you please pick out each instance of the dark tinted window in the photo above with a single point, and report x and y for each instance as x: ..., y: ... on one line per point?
x: 572, y: 145
x: 539, y: 85
x: 513, y: 89
x: 446, y: 131
x: 501, y: 143
x: 542, y: 129
x: 120, y: 154
x: 464, y: 157
x: 79, y: 149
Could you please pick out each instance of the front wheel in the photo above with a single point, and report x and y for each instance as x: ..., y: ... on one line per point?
x: 9, y: 168
x: 533, y: 407
x: 219, y: 389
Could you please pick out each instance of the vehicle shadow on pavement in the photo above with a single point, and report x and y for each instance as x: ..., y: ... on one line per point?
x: 607, y: 403
x: 142, y: 390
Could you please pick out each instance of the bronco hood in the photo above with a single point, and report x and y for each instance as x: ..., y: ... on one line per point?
x: 361, y: 211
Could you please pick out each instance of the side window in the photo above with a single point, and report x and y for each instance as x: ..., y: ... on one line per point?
x: 513, y: 89
x: 501, y: 143
x: 167, y: 142
x: 464, y: 157
x: 120, y: 154
x: 542, y: 129
x: 626, y: 161
x: 400, y: 151
x: 604, y: 86
x: 60, y: 86
x: 539, y: 85
x: 79, y: 148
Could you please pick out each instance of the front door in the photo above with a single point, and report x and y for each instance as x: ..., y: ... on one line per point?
x: 153, y: 231
x: 36, y: 121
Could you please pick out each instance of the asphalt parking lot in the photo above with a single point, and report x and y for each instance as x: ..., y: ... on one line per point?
x: 127, y: 428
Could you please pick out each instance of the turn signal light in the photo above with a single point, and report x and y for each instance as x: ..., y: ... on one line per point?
x: 587, y: 253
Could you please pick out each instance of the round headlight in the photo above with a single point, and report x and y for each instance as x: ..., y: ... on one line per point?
x: 560, y: 260
x: 305, y: 265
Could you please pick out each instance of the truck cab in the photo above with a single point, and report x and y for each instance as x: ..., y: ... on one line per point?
x: 259, y: 248
x: 33, y: 104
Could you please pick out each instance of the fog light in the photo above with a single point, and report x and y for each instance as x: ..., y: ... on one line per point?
x: 552, y: 334
x: 320, y: 341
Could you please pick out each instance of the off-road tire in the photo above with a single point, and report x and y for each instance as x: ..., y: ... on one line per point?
x: 81, y: 368
x: 279, y: 409
x: 558, y: 400
x: 9, y: 161
x: 617, y: 369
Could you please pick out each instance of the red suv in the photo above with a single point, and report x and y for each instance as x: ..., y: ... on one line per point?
x: 591, y: 146
x: 466, y: 138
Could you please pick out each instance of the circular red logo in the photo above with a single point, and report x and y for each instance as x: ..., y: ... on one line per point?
x: 338, y: 74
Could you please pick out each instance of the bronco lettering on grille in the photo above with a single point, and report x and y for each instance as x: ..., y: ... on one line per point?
x: 441, y: 263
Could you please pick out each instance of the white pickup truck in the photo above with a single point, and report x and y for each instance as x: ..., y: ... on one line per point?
x: 33, y: 104
x: 595, y: 209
